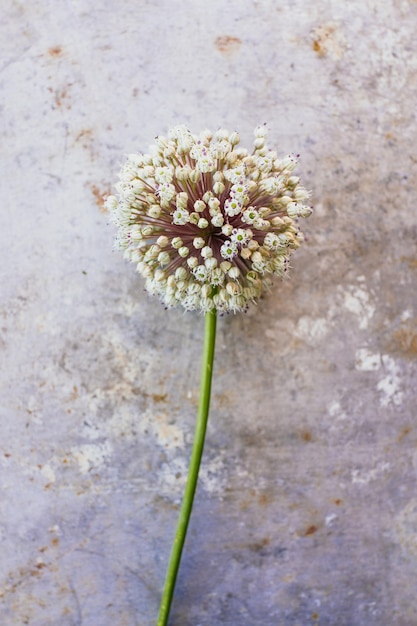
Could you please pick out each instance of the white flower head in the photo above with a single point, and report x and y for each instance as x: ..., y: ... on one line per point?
x: 206, y: 223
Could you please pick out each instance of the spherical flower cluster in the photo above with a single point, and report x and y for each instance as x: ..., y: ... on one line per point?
x: 207, y: 223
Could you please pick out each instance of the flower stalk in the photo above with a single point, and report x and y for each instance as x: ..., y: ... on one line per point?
x: 195, y: 461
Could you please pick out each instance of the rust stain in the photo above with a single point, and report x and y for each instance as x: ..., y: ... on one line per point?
x: 7, y: 455
x: 85, y: 132
x: 61, y: 96
x: 265, y: 498
x: 159, y: 397
x: 405, y: 431
x: 227, y: 44
x: 259, y: 545
x: 412, y: 261
x: 405, y: 339
x: 326, y: 41
x: 85, y: 137
x: 306, y: 436
x: 311, y: 530
x: 224, y: 400
x: 56, y: 51
x: 155, y: 397
x: 253, y: 497
x: 337, y: 501
x: 100, y: 197
x: 317, y: 47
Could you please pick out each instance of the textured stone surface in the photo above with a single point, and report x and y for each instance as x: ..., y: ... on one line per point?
x: 307, y: 508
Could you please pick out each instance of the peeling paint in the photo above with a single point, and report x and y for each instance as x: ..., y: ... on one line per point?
x: 390, y: 387
x: 335, y: 411
x: 406, y: 528
x: 312, y: 330
x: 367, y: 361
x: 48, y: 472
x: 357, y: 301
x: 92, y: 456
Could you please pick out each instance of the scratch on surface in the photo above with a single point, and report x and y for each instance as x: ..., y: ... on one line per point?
x: 77, y: 603
x: 363, y: 477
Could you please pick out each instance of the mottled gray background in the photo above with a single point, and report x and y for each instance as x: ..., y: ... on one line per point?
x: 306, y: 513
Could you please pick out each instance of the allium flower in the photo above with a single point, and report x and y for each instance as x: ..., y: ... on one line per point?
x: 208, y: 224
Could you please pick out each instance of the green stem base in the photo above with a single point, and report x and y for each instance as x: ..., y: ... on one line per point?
x: 196, y: 454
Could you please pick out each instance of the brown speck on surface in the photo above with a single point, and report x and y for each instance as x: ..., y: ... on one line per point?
x: 306, y: 436
x: 227, y: 44
x: 311, y: 530
x: 316, y: 47
x: 327, y: 41
x: 405, y: 431
x: 265, y: 498
x: 55, y: 51
x: 159, y: 397
x: 61, y: 96
x: 337, y: 501
x: 100, y: 197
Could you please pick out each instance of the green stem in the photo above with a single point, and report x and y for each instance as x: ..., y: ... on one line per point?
x: 196, y: 454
